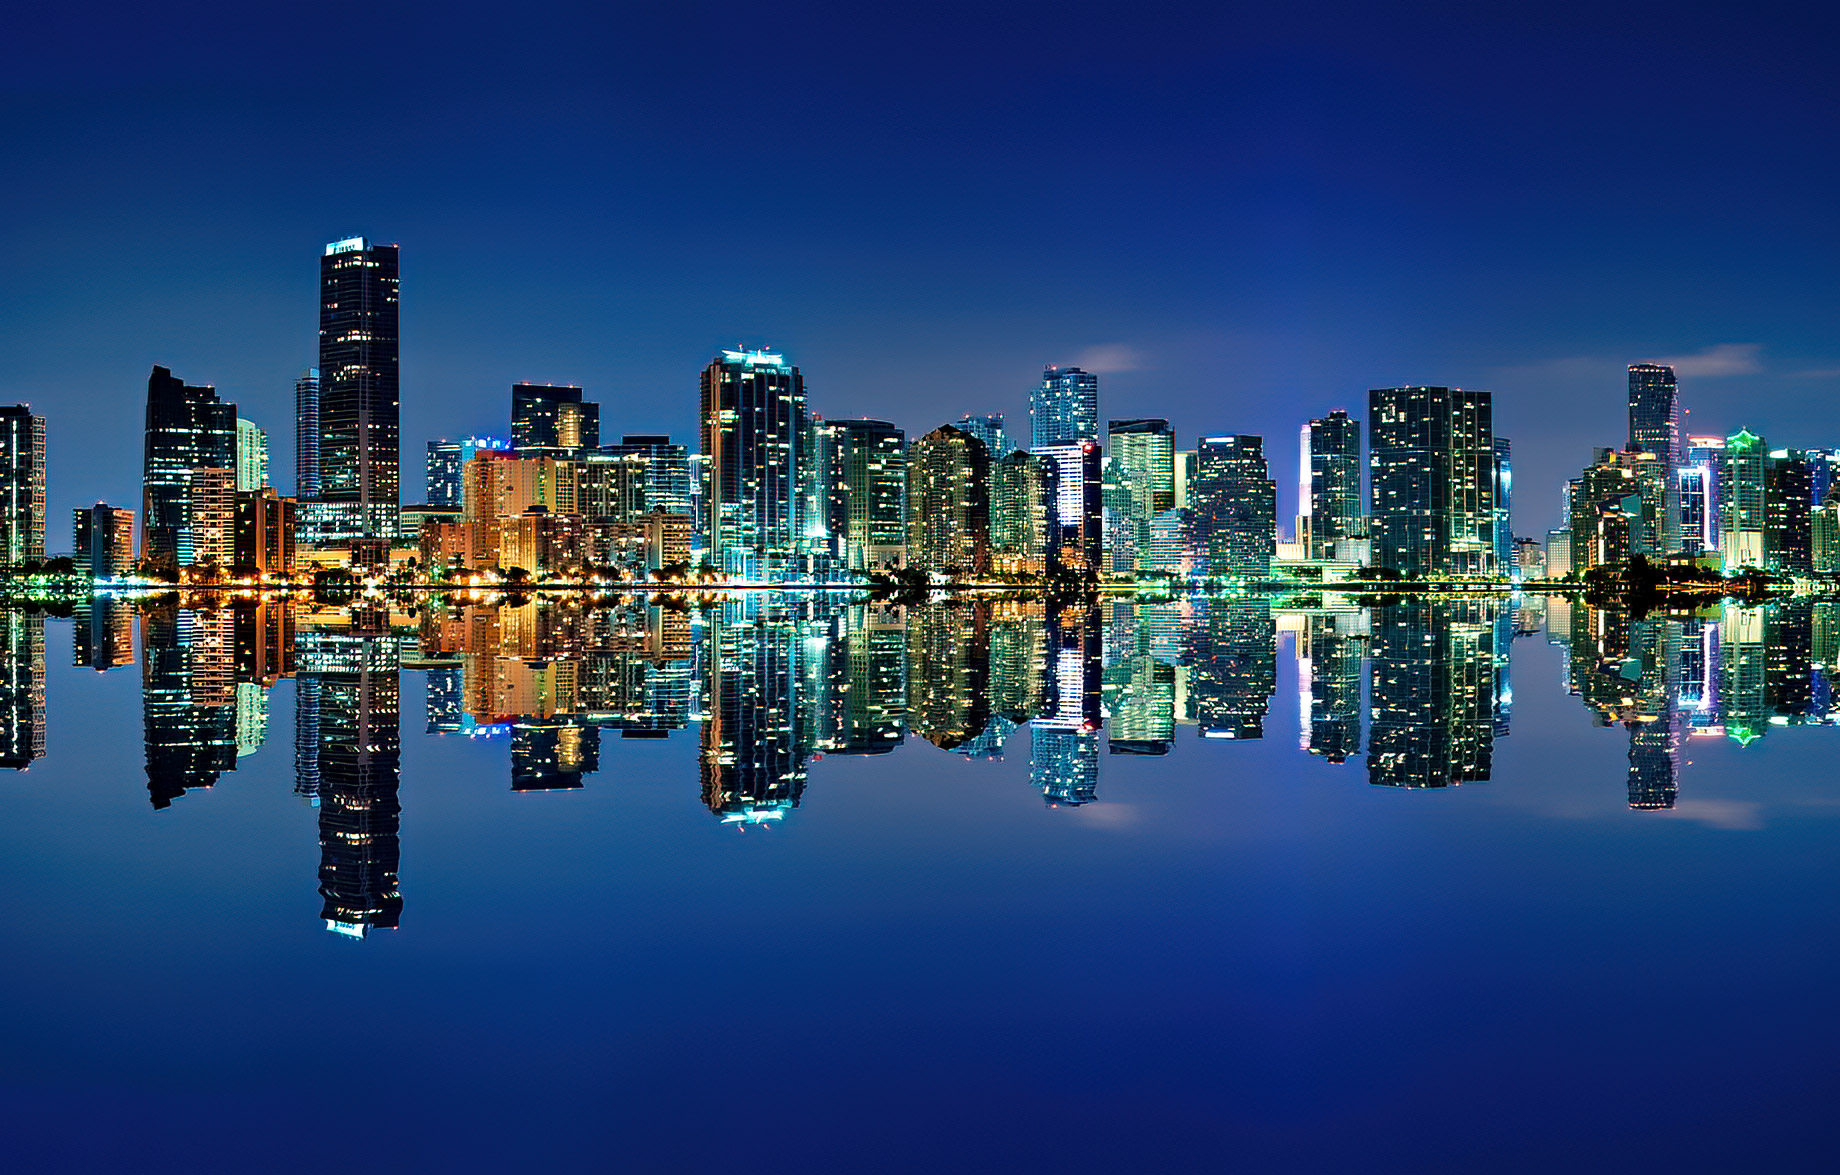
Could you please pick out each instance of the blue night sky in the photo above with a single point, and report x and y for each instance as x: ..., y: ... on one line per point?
x: 1241, y: 217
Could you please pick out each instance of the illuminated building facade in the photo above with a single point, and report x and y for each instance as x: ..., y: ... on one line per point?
x: 1431, y: 483
x: 360, y: 403
x: 306, y: 435
x: 1329, y: 490
x: 213, y: 521
x: 1143, y: 464
x: 103, y: 540
x: 1743, y: 498
x: 754, y: 425
x: 864, y: 470
x: 251, y: 456
x: 1023, y: 490
x: 1234, y: 496
x: 552, y: 420
x: 948, y: 496
x: 188, y: 429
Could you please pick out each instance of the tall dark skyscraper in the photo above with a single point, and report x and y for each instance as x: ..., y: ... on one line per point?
x: 360, y: 404
x: 306, y: 435
x: 552, y: 420
x: 1431, y: 461
x: 865, y: 464
x: 1238, y: 502
x: 1064, y: 408
x: 22, y: 485
x: 754, y: 423
x: 188, y: 429
x: 1329, y: 489
x: 1654, y: 411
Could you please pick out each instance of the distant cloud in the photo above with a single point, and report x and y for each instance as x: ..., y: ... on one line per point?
x: 1818, y: 373
x: 1110, y: 357
x: 1730, y: 815
x: 1723, y: 359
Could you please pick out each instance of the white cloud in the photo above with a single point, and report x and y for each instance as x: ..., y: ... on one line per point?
x: 1731, y: 815
x: 1110, y: 357
x: 1722, y: 359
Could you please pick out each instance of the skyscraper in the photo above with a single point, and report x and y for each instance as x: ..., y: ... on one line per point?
x: 1329, y: 489
x: 1504, y: 504
x: 552, y: 420
x: 22, y: 485
x: 1431, y: 457
x: 1064, y: 408
x: 1743, y: 472
x: 188, y: 429
x: 1143, y: 462
x: 359, y: 391
x: 1077, y: 538
x: 753, y: 425
x: 988, y: 429
x: 447, y: 464
x: 1022, y: 496
x: 948, y: 496
x: 251, y: 456
x: 104, y: 540
x: 1237, y: 502
x: 1654, y: 411
x: 866, y: 464
x: 306, y: 435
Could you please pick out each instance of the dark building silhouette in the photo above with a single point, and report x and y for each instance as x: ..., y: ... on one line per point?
x: 188, y: 703
x: 1431, y: 485
x: 552, y: 420
x: 188, y: 429
x: 359, y: 767
x: 754, y: 753
x: 754, y: 426
x: 1433, y: 677
x: 1237, y: 504
x: 359, y: 392
x: 1332, y: 481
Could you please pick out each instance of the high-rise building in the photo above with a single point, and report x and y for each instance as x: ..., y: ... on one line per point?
x: 1237, y: 501
x: 1697, y: 495
x: 306, y: 435
x: 1789, y: 496
x: 22, y: 485
x: 213, y: 521
x: 865, y: 499
x: 1329, y: 488
x: 1558, y: 553
x: 1654, y: 412
x: 1023, y: 488
x: 188, y: 429
x: 1743, y: 474
x: 360, y: 403
x: 754, y: 423
x: 1143, y: 463
x: 552, y: 420
x: 22, y: 689
x: 663, y: 478
x: 1064, y: 408
x: 264, y: 532
x: 1504, y: 502
x: 251, y: 456
x: 104, y: 540
x: 447, y: 464
x: 989, y: 429
x: 1615, y: 509
x: 1077, y: 540
x: 948, y: 497
x: 1431, y: 463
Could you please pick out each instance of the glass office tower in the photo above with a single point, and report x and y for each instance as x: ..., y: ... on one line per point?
x: 359, y: 391
x: 1064, y: 408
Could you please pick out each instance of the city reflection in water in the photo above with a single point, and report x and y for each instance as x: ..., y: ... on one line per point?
x: 773, y: 682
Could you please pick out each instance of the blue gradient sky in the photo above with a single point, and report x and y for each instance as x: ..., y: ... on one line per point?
x: 1242, y: 217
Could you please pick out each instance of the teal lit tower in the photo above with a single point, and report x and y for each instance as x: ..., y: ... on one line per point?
x: 22, y: 485
x: 1064, y: 409
x: 754, y: 425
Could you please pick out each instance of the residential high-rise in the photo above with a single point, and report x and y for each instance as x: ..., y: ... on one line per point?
x: 988, y: 429
x: 1064, y: 408
x: 22, y: 485
x: 1654, y: 411
x: 1789, y: 496
x: 1329, y: 490
x: 360, y: 402
x: 1077, y: 540
x: 866, y: 492
x: 948, y: 497
x: 104, y: 540
x: 263, y: 532
x: 306, y: 434
x: 1615, y: 509
x: 1431, y: 461
x: 447, y: 465
x: 1237, y: 502
x: 251, y: 456
x: 1143, y: 462
x: 552, y: 420
x: 1022, y: 495
x: 753, y: 426
x: 213, y: 521
x: 664, y: 478
x: 188, y: 429
x: 1743, y: 473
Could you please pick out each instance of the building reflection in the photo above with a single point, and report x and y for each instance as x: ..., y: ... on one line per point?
x: 1418, y: 689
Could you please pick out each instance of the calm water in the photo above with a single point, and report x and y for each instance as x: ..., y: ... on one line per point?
x: 799, y: 885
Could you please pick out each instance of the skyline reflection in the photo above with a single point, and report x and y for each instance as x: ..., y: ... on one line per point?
x: 772, y: 683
